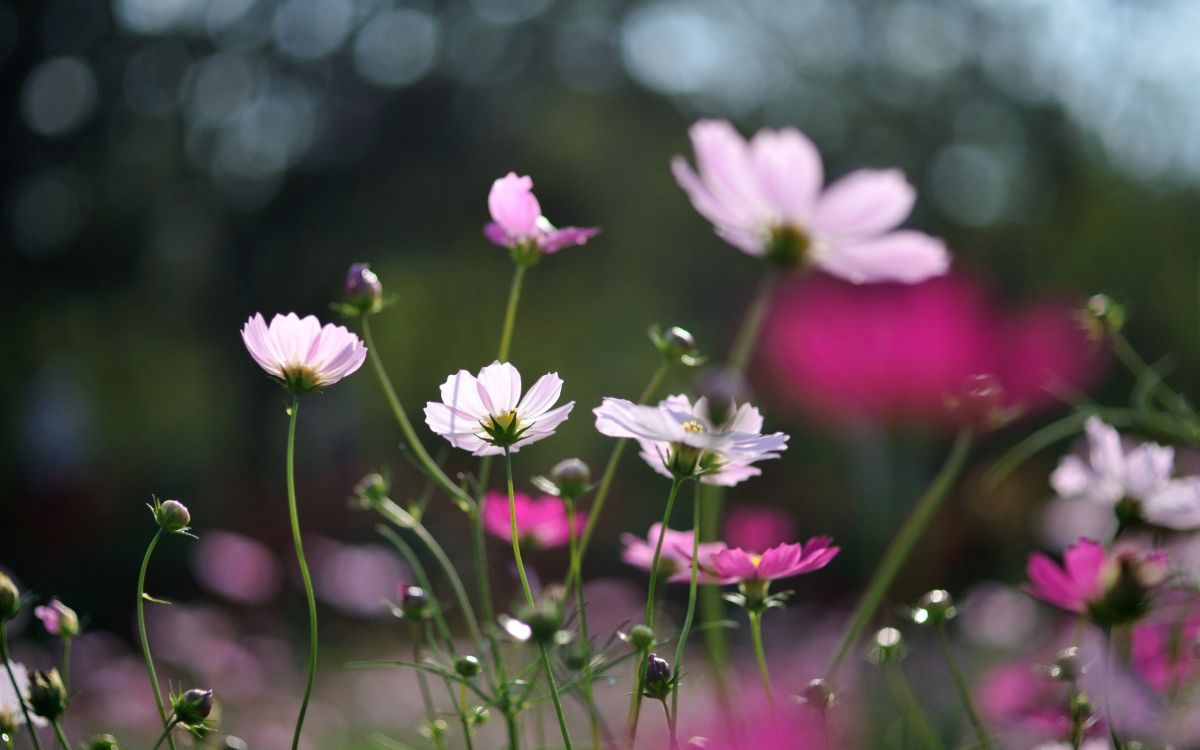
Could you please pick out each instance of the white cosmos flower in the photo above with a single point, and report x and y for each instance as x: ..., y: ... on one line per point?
x: 485, y: 414
x: 10, y: 705
x: 681, y: 438
x: 1138, y: 479
x: 301, y: 353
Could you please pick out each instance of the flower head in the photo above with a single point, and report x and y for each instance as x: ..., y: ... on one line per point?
x: 736, y: 565
x: 542, y: 521
x: 765, y: 197
x: 517, y: 222
x: 676, y: 558
x: 679, y: 438
x: 193, y: 706
x: 1135, y: 482
x: 1111, y: 587
x: 300, y: 353
x: 486, y: 414
x: 58, y: 619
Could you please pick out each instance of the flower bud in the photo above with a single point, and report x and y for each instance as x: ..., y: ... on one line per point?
x: 47, y: 695
x: 679, y: 340
x: 1103, y: 316
x: 1068, y: 667
x: 414, y: 603
x: 545, y: 618
x: 723, y: 388
x: 818, y: 695
x: 1134, y: 578
x: 572, y: 477
x: 10, y: 598
x: 468, y: 666
x: 934, y: 608
x: 371, y: 490
x: 641, y: 636
x: 676, y: 345
x: 658, y: 682
x: 171, y: 516
x: 194, y: 706
x: 887, y: 647
x: 577, y: 657
x: 480, y: 715
x: 363, y: 290
x: 103, y: 742
x: 58, y: 619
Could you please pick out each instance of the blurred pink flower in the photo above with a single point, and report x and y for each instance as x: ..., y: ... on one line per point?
x: 753, y: 725
x: 784, y: 561
x: 300, y: 353
x: 517, y: 219
x: 542, y: 522
x: 58, y: 619
x: 757, y: 528
x: 1088, y: 573
x: 1164, y: 647
x: 1022, y: 696
x: 844, y: 354
x: 765, y: 198
x: 236, y: 567
x: 676, y: 559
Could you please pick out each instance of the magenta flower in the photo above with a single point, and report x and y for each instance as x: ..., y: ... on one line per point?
x: 676, y: 560
x: 300, y: 353
x: 735, y: 565
x: 757, y: 528
x: 486, y: 414
x: 1111, y: 587
x: 517, y: 221
x: 1163, y: 648
x: 765, y: 198
x: 58, y: 619
x: 542, y: 522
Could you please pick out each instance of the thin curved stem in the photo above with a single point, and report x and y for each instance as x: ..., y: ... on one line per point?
x: 65, y: 666
x: 900, y: 548
x: 166, y: 733
x: 693, y: 586
x: 1108, y: 680
x: 435, y: 732
x: 304, y: 574
x: 907, y: 702
x: 635, y: 701
x: 141, y: 619
x: 747, y: 336
x: 760, y: 657
x: 964, y: 692
x: 510, y: 311
x: 1140, y: 369
x: 60, y: 734
x: 581, y: 608
x: 12, y: 678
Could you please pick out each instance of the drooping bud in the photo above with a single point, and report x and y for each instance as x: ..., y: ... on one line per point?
x: 467, y: 666
x: 58, y: 619
x: 103, y: 742
x: 10, y: 598
x: 817, y: 695
x: 641, y: 636
x: 171, y: 516
x: 572, y: 477
x: 658, y: 683
x: 1068, y: 667
x: 723, y: 388
x: 415, y: 604
x: 47, y: 695
x: 193, y: 707
x: 934, y: 608
x: 887, y: 647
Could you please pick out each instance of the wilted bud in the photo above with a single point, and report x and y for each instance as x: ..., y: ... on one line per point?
x: 371, y: 490
x: 1103, y: 316
x: 194, y: 706
x: 934, y: 608
x: 1068, y: 667
x: 723, y: 388
x: 658, y: 682
x: 171, y: 516
x: 572, y: 476
x: 363, y: 290
x: 47, y: 695
x: 887, y: 647
x: 58, y: 619
x: 103, y: 742
x: 10, y: 598
x: 468, y: 666
x: 414, y: 603
x: 641, y: 636
x: 818, y: 695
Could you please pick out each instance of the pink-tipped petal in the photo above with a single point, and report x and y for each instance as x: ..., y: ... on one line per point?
x: 513, y: 205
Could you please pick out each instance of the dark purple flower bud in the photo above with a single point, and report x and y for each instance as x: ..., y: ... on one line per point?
x: 658, y: 682
x: 194, y: 706
x: 468, y: 666
x: 363, y: 290
x: 572, y: 477
x: 414, y: 603
x: 818, y: 695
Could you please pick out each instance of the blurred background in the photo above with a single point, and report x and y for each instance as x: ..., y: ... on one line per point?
x: 173, y: 166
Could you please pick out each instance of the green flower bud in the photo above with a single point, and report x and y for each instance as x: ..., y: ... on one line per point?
x: 10, y: 598
x: 641, y: 636
x: 572, y: 476
x: 193, y: 707
x: 371, y: 490
x: 47, y: 695
x: 468, y: 666
x: 171, y: 516
x: 103, y: 742
x: 887, y: 647
x: 934, y: 608
x: 1103, y: 317
x: 415, y: 604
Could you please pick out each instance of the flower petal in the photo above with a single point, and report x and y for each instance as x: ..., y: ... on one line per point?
x: 789, y: 172
x: 865, y: 203
x: 907, y: 256
x: 513, y: 206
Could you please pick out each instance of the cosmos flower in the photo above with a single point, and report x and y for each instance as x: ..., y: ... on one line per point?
x: 517, y: 221
x: 676, y: 559
x: 542, y: 522
x: 1163, y: 648
x: 765, y: 197
x: 487, y: 414
x: 735, y: 565
x: 757, y: 528
x: 58, y: 619
x: 10, y: 705
x: 300, y: 353
x: 1135, y: 482
x: 1110, y: 586
x: 679, y: 439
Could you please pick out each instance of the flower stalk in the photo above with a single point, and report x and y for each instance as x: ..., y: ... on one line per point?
x: 294, y: 517
x: 581, y: 609
x: 964, y: 691
x: 693, y: 586
x: 12, y: 678
x: 145, y: 641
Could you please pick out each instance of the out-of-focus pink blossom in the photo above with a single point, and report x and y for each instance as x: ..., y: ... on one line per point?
x: 542, y: 522
x: 765, y: 198
x: 784, y: 561
x: 846, y: 354
x: 517, y: 219
x: 58, y: 619
x: 236, y: 567
x: 675, y: 561
x: 1088, y: 573
x: 757, y: 528
x: 752, y: 725
x: 1164, y: 647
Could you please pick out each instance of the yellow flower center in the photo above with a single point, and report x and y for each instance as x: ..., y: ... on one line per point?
x: 755, y: 560
x: 693, y: 427
x: 504, y: 422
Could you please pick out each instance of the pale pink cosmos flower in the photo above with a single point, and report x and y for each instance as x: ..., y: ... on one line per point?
x: 542, y: 522
x: 10, y: 704
x: 676, y: 559
x: 1089, y: 572
x: 765, y: 198
x: 517, y: 219
x: 735, y: 565
x: 58, y: 619
x: 1140, y: 477
x: 487, y: 414
x: 679, y: 438
x: 300, y: 353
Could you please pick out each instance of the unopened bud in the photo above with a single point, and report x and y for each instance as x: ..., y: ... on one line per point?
x: 722, y: 388
x: 1103, y: 316
x: 468, y: 666
x: 658, y: 682
x: 194, y: 706
x: 887, y: 647
x: 676, y: 345
x: 577, y: 657
x: 641, y: 636
x: 979, y: 403
x: 1068, y: 667
x: 10, y: 598
x: 47, y: 695
x: 572, y: 477
x: 680, y: 340
x: 544, y: 618
x: 172, y: 516
x: 934, y: 608
x: 818, y: 695
x: 364, y: 292
x: 414, y: 603
x: 58, y: 619
x: 103, y: 742
x: 371, y: 490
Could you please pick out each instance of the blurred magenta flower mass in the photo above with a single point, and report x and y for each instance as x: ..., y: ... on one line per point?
x: 885, y: 353
x: 541, y: 521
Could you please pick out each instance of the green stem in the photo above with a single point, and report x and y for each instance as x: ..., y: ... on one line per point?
x: 672, y: 718
x: 1109, y: 668
x: 435, y: 732
x: 558, y: 709
x: 635, y: 703
x: 432, y: 470
x: 510, y: 311
x: 166, y: 734
x: 581, y: 607
x: 693, y: 585
x: 610, y: 469
x: 964, y: 692
x: 304, y: 574
x: 12, y: 678
x: 760, y: 656
x: 1078, y: 718
x: 903, y: 695
x: 1142, y: 370
x: 66, y: 663
x: 141, y: 619
x: 747, y: 336
x: 900, y: 547
x: 60, y: 734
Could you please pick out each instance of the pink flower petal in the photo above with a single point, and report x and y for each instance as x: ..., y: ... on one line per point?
x: 865, y: 203
x: 906, y: 255
x: 513, y: 205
